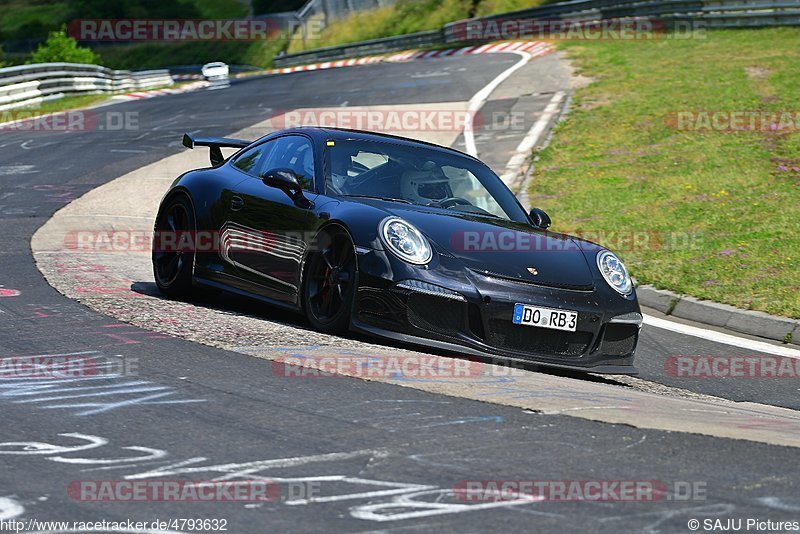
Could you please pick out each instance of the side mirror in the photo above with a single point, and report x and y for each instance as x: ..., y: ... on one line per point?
x: 287, y: 181
x: 539, y: 218
x: 283, y: 179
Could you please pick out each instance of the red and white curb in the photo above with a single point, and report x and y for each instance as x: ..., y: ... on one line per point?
x: 139, y: 95
x: 531, y: 47
x: 535, y: 48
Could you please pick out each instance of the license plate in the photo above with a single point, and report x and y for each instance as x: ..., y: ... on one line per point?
x: 545, y: 317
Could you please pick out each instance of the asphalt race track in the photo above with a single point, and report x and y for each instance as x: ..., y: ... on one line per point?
x: 372, y: 456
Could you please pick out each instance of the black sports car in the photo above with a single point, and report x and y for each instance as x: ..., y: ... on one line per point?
x: 398, y: 238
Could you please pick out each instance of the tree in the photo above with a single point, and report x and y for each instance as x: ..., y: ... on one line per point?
x: 60, y: 47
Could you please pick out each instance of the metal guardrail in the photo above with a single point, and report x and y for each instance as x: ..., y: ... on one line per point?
x: 25, y: 85
x: 751, y: 13
x: 702, y: 13
x: 363, y: 48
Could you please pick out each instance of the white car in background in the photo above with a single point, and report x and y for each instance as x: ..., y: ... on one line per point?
x: 216, y: 70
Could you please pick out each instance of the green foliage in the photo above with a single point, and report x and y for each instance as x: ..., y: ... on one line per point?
x: 132, y: 9
x: 153, y: 55
x: 490, y: 7
x: 21, y: 19
x: 61, y: 47
x: 406, y: 16
x: 216, y: 9
x: 26, y: 19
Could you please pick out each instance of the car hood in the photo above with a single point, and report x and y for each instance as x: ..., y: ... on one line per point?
x: 505, y: 249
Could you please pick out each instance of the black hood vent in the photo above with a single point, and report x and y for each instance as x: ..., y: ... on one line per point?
x: 530, y: 281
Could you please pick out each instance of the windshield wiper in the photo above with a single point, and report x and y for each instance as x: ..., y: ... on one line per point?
x: 389, y: 199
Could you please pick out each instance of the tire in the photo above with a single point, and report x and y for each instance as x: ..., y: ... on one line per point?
x: 173, y: 268
x: 330, y: 282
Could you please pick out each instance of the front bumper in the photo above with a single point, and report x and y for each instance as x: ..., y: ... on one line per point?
x: 470, y: 312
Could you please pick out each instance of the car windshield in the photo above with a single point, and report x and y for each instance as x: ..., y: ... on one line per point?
x: 417, y: 175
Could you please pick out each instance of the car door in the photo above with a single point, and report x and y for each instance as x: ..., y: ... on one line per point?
x: 241, y: 168
x: 268, y: 230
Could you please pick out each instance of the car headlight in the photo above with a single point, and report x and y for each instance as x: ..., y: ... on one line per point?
x: 405, y: 241
x: 614, y: 272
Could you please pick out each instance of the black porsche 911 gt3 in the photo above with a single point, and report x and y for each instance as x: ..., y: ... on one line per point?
x: 397, y: 238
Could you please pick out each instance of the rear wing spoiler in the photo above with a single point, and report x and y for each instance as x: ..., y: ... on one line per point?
x: 215, y: 144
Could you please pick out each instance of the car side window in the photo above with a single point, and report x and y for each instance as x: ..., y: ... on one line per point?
x: 252, y: 161
x: 293, y: 152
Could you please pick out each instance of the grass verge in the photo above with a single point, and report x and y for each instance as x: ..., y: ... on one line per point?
x: 61, y: 104
x: 406, y: 16
x: 721, y: 210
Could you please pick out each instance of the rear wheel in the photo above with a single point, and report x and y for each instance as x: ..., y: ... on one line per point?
x: 329, y: 288
x: 172, y: 266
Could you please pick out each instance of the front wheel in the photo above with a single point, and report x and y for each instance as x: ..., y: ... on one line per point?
x: 329, y: 288
x: 172, y: 266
